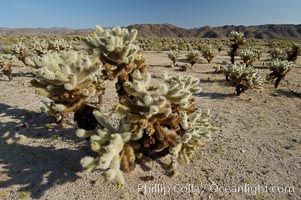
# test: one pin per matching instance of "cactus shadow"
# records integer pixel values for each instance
(33, 167)
(23, 74)
(32, 125)
(287, 93)
(215, 95)
(36, 169)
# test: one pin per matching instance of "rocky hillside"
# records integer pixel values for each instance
(260, 32)
(167, 30)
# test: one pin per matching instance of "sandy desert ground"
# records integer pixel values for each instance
(258, 145)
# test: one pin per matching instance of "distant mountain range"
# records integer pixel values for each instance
(269, 31)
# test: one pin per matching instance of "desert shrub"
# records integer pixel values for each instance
(243, 77)
(279, 69)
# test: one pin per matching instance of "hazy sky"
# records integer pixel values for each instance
(183, 13)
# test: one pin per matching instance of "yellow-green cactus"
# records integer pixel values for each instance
(6, 62)
(279, 70)
(173, 56)
(20, 50)
(208, 52)
(196, 130)
(67, 79)
(248, 56)
(243, 77)
(109, 143)
(236, 39)
(155, 120)
(193, 57)
(115, 45)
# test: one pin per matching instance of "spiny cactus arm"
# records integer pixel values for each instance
(115, 45)
(180, 88)
(66, 69)
(197, 129)
(101, 119)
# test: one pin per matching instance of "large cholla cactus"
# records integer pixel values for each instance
(6, 62)
(248, 56)
(208, 52)
(236, 39)
(115, 45)
(243, 77)
(193, 57)
(67, 80)
(173, 56)
(279, 70)
(156, 121)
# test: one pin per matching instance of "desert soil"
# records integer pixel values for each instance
(258, 144)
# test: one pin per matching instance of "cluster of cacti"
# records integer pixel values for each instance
(236, 39)
(173, 56)
(6, 62)
(193, 57)
(155, 120)
(208, 52)
(248, 56)
(243, 77)
(279, 69)
(41, 46)
(67, 80)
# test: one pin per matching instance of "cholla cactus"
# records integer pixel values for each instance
(279, 70)
(278, 53)
(6, 62)
(155, 121)
(208, 52)
(236, 39)
(243, 77)
(293, 52)
(20, 50)
(193, 57)
(67, 80)
(258, 52)
(173, 56)
(115, 45)
(248, 56)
